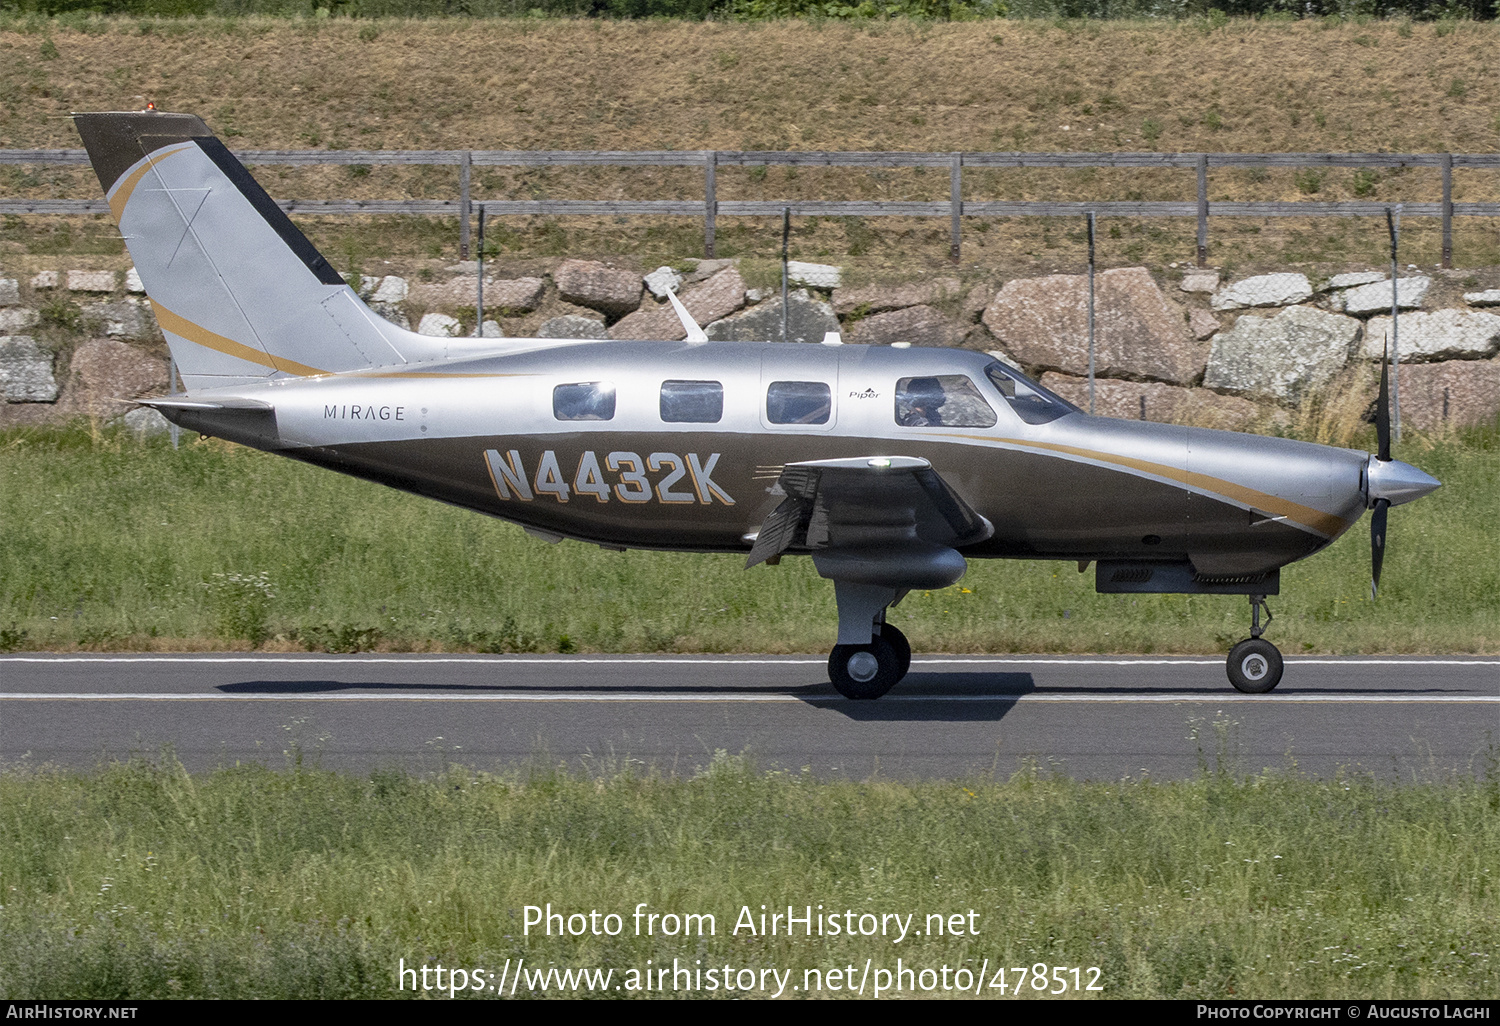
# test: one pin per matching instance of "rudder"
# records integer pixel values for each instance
(239, 291)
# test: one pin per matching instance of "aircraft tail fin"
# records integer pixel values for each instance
(239, 291)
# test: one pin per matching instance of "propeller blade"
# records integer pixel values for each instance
(1383, 409)
(1377, 543)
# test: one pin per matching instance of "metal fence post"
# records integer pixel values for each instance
(1202, 210)
(1091, 314)
(956, 198)
(479, 281)
(1393, 225)
(710, 201)
(786, 235)
(463, 206)
(1447, 210)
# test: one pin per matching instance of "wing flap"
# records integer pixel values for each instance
(890, 502)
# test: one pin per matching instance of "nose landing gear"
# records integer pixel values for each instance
(1255, 665)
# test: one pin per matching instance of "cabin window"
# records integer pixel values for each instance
(692, 402)
(944, 400)
(799, 402)
(586, 400)
(1032, 403)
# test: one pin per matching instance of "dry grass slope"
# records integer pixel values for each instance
(1244, 86)
(637, 85)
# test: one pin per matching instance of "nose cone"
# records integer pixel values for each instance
(1396, 482)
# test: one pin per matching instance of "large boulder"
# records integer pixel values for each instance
(1139, 333)
(917, 325)
(1354, 279)
(874, 299)
(1152, 400)
(1284, 357)
(1263, 290)
(599, 287)
(25, 371)
(1441, 335)
(710, 301)
(1458, 393)
(978, 298)
(717, 297)
(104, 372)
(808, 320)
(1376, 297)
(511, 296)
(10, 291)
(129, 318)
(572, 326)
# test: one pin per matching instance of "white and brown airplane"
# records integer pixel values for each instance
(890, 467)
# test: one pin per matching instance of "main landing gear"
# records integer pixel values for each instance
(1255, 665)
(869, 671)
(871, 656)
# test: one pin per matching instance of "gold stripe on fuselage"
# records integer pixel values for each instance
(1327, 524)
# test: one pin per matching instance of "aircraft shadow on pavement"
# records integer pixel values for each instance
(930, 697)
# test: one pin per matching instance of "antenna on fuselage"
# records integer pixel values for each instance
(694, 332)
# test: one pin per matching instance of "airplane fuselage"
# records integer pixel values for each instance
(484, 433)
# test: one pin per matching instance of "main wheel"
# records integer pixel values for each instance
(901, 645)
(1254, 666)
(864, 671)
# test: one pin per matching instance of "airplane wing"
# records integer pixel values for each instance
(884, 503)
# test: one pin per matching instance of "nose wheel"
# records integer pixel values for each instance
(1254, 665)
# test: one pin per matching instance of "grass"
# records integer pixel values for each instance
(116, 545)
(139, 880)
(1243, 85)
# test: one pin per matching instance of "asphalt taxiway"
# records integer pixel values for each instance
(1098, 717)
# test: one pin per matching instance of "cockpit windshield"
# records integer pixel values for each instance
(1032, 403)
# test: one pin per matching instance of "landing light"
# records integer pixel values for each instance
(881, 461)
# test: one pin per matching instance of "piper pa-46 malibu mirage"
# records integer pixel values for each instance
(889, 466)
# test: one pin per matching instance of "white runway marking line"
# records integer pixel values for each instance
(743, 697)
(745, 661)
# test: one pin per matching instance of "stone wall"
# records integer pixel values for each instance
(1182, 345)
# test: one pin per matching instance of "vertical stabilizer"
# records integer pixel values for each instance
(239, 291)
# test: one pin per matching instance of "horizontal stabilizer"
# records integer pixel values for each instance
(184, 402)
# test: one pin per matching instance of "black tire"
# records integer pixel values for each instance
(901, 645)
(1254, 666)
(876, 663)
